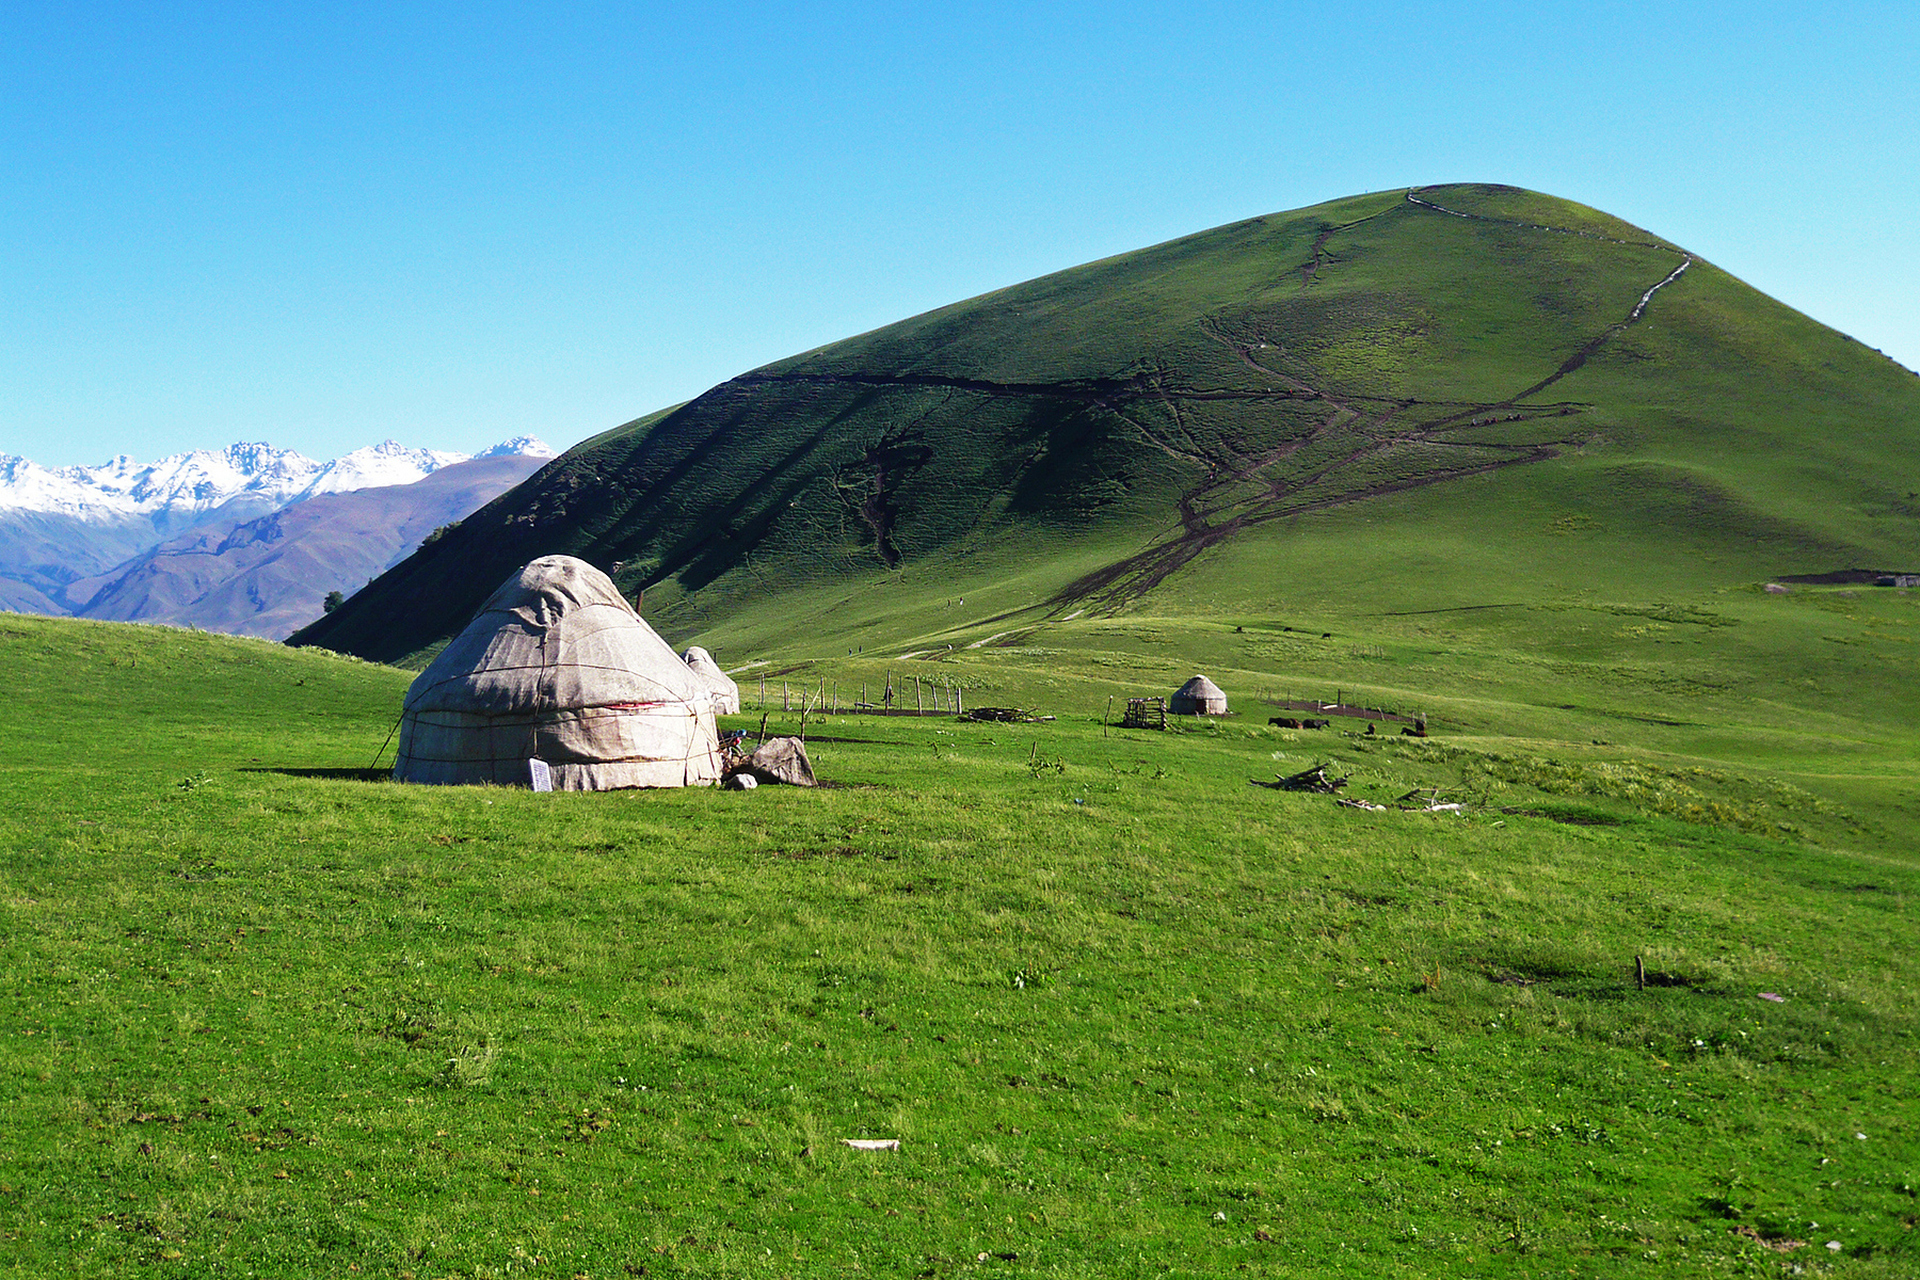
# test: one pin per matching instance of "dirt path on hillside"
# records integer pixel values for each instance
(1372, 428)
(1310, 269)
(1415, 199)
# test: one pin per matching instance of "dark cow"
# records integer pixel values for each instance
(1285, 722)
(1315, 724)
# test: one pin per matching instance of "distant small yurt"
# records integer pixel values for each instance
(726, 694)
(558, 668)
(1198, 697)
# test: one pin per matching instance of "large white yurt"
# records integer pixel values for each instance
(726, 694)
(1198, 697)
(557, 668)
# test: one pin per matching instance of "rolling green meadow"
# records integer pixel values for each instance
(268, 1014)
(1642, 1005)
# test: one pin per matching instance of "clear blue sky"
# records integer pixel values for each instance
(321, 225)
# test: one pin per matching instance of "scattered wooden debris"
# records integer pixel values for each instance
(1002, 715)
(1314, 780)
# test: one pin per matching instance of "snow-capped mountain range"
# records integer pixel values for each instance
(67, 533)
(203, 480)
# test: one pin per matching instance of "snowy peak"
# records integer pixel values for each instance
(202, 480)
(388, 462)
(184, 484)
(519, 447)
(189, 485)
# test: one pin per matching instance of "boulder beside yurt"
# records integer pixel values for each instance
(1198, 697)
(726, 694)
(557, 667)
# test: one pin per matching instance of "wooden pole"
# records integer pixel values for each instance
(786, 699)
(919, 708)
(763, 693)
(1106, 716)
(1640, 973)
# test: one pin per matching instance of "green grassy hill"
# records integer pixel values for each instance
(263, 1013)
(1500, 386)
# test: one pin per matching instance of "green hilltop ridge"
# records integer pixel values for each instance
(1479, 368)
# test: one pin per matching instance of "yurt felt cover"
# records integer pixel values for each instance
(726, 694)
(557, 666)
(1198, 697)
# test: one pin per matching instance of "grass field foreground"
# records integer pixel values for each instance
(1127, 1014)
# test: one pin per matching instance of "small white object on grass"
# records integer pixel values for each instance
(1833, 1246)
(873, 1144)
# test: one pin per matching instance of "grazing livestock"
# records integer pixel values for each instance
(1285, 722)
(1315, 724)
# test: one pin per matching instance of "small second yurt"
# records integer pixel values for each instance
(1198, 697)
(726, 694)
(558, 679)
